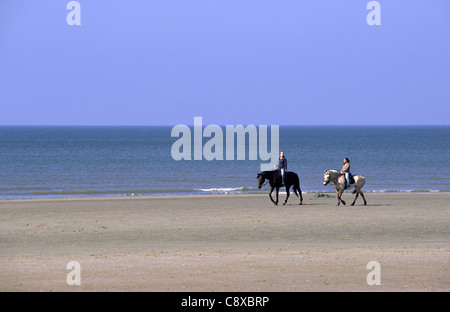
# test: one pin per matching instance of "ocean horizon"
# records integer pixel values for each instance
(92, 161)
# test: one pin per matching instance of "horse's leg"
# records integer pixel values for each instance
(356, 196)
(300, 194)
(277, 190)
(365, 201)
(270, 195)
(287, 194)
(340, 197)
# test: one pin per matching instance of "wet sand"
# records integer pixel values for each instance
(226, 243)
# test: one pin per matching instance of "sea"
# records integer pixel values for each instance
(92, 161)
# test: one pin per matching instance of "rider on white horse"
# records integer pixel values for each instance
(346, 171)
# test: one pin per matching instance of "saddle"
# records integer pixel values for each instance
(351, 178)
(277, 177)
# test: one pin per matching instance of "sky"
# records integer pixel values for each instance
(272, 62)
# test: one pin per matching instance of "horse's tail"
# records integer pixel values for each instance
(297, 185)
(298, 190)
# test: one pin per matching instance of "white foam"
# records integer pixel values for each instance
(222, 189)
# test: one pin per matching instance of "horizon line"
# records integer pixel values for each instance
(172, 125)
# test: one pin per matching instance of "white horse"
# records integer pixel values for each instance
(338, 180)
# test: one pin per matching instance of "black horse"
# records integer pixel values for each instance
(274, 178)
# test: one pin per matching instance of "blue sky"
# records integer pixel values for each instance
(288, 62)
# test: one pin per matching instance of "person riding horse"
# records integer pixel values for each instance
(282, 168)
(346, 171)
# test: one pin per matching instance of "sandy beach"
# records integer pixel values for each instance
(226, 243)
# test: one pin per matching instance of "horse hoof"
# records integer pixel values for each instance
(352, 204)
(343, 203)
(300, 203)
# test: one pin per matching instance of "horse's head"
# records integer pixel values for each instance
(261, 179)
(326, 177)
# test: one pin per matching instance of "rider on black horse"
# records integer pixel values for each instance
(282, 168)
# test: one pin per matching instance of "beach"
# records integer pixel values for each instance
(216, 243)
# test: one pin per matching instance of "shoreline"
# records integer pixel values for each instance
(226, 242)
(282, 193)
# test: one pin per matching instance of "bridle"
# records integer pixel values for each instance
(264, 183)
